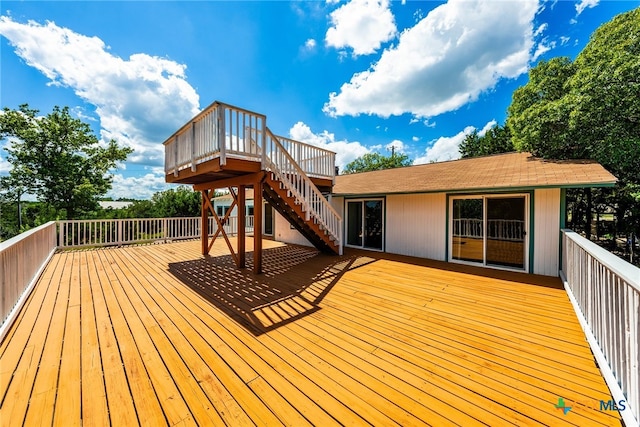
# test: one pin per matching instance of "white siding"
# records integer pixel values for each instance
(546, 229)
(416, 225)
(283, 232)
(338, 204)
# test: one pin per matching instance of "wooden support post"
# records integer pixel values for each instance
(242, 211)
(257, 225)
(204, 227)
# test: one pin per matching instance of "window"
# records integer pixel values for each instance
(365, 223)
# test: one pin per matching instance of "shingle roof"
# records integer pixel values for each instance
(227, 196)
(503, 171)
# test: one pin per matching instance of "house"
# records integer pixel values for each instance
(503, 211)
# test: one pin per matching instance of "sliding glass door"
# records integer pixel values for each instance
(365, 223)
(489, 230)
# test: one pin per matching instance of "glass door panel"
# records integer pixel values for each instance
(467, 242)
(268, 220)
(506, 231)
(354, 223)
(373, 224)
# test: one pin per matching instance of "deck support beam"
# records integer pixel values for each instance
(240, 200)
(257, 223)
(204, 226)
(242, 211)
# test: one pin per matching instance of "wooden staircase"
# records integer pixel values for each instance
(293, 194)
(276, 193)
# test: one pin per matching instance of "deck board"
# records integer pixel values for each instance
(159, 335)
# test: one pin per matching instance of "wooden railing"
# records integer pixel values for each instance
(279, 161)
(605, 292)
(22, 260)
(116, 232)
(243, 133)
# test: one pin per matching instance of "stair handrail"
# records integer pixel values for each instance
(313, 202)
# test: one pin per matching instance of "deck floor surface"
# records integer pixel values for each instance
(160, 335)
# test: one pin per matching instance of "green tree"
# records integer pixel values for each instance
(179, 202)
(59, 159)
(495, 141)
(376, 161)
(538, 116)
(589, 108)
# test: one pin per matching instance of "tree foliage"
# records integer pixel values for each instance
(58, 159)
(376, 161)
(179, 202)
(495, 141)
(589, 108)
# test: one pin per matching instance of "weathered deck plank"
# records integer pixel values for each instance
(157, 334)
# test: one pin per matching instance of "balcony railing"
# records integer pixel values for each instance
(222, 130)
(605, 292)
(22, 259)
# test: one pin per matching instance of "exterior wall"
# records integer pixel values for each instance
(338, 204)
(546, 231)
(416, 225)
(283, 232)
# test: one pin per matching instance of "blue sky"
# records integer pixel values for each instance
(353, 77)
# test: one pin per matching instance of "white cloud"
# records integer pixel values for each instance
(459, 50)
(586, 4)
(361, 25)
(139, 187)
(346, 151)
(310, 44)
(140, 100)
(564, 40)
(447, 147)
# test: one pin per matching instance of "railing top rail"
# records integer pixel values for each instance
(280, 138)
(623, 269)
(12, 241)
(205, 111)
(124, 219)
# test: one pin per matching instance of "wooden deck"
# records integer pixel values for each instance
(159, 335)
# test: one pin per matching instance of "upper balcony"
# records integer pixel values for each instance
(224, 141)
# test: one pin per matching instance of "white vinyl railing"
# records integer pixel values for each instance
(243, 134)
(314, 204)
(314, 161)
(116, 232)
(605, 291)
(200, 140)
(501, 229)
(22, 260)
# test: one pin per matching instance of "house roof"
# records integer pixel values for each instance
(229, 198)
(497, 172)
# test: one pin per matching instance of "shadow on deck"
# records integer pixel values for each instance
(294, 282)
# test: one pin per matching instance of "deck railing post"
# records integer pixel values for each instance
(175, 156)
(193, 146)
(119, 232)
(264, 144)
(222, 134)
